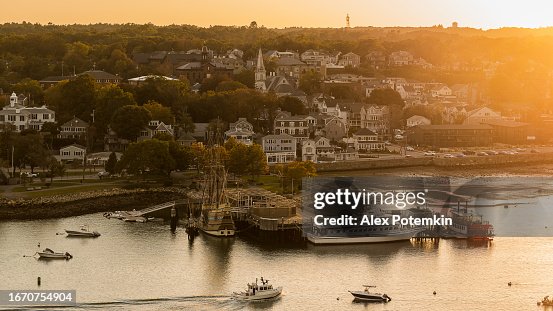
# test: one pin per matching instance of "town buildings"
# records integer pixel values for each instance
(21, 117)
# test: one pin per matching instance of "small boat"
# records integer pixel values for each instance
(84, 232)
(366, 295)
(546, 302)
(50, 254)
(259, 292)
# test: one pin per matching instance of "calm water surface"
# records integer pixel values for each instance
(144, 267)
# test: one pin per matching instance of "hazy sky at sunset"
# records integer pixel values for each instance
(307, 13)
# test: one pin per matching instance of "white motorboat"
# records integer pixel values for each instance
(257, 291)
(50, 254)
(83, 232)
(366, 295)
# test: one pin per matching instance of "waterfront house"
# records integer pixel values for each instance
(309, 151)
(73, 152)
(279, 148)
(298, 126)
(367, 140)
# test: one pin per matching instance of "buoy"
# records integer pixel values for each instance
(38, 281)
(509, 283)
(337, 298)
(38, 244)
(434, 293)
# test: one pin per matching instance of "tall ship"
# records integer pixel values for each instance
(216, 218)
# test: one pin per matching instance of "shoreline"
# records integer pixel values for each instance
(86, 203)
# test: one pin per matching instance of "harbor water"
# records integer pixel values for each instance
(142, 266)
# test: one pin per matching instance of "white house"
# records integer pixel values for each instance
(22, 117)
(72, 152)
(481, 115)
(280, 148)
(309, 151)
(74, 128)
(417, 120)
(441, 90)
(365, 139)
(241, 130)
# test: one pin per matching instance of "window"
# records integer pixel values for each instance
(11, 118)
(21, 118)
(46, 116)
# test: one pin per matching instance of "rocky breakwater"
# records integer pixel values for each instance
(87, 202)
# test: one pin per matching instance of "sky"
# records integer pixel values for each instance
(484, 14)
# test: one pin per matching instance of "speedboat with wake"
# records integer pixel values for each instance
(257, 291)
(366, 295)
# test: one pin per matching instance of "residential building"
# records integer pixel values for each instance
(290, 67)
(298, 126)
(241, 130)
(400, 58)
(74, 128)
(319, 58)
(481, 115)
(73, 152)
(417, 120)
(155, 127)
(22, 118)
(367, 140)
(349, 154)
(437, 136)
(335, 128)
(102, 77)
(441, 90)
(376, 118)
(376, 59)
(350, 59)
(279, 148)
(309, 151)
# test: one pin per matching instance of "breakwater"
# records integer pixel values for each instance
(87, 202)
(472, 161)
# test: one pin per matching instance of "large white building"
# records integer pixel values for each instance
(280, 148)
(22, 117)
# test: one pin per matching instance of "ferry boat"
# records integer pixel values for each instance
(328, 235)
(259, 292)
(83, 232)
(469, 226)
(366, 295)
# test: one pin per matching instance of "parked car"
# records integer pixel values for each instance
(481, 153)
(468, 152)
(447, 155)
(460, 155)
(29, 175)
(430, 153)
(409, 148)
(491, 152)
(534, 151)
(103, 174)
(408, 156)
(520, 150)
(398, 137)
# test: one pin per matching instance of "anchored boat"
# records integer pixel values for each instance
(366, 295)
(50, 254)
(83, 232)
(257, 291)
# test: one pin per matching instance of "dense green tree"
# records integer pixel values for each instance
(129, 120)
(292, 105)
(109, 98)
(111, 164)
(55, 168)
(183, 155)
(310, 82)
(246, 77)
(159, 112)
(73, 98)
(224, 86)
(148, 156)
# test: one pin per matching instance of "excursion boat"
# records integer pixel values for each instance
(469, 226)
(50, 254)
(366, 295)
(83, 232)
(546, 302)
(328, 235)
(259, 292)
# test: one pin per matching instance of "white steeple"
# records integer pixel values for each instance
(13, 100)
(260, 73)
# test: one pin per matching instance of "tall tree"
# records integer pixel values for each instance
(129, 120)
(109, 98)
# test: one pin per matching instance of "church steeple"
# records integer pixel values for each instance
(260, 73)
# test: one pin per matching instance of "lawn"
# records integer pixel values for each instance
(67, 190)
